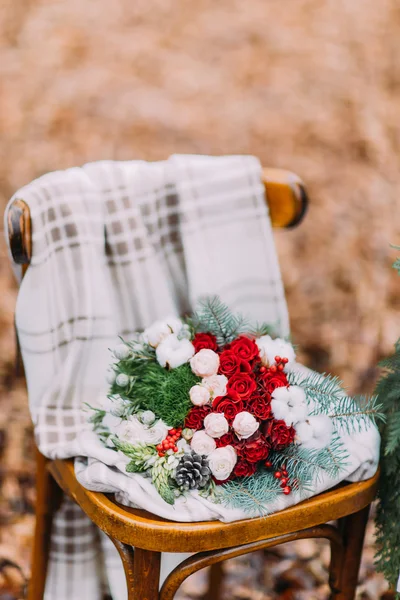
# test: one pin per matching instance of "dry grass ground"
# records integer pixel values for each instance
(307, 85)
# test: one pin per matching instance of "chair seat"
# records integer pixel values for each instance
(139, 528)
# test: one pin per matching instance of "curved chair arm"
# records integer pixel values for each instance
(285, 194)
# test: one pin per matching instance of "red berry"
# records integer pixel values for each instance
(278, 359)
(285, 473)
(175, 448)
(161, 454)
(262, 369)
(268, 464)
(159, 448)
(284, 481)
(287, 490)
(280, 367)
(273, 369)
(172, 431)
(285, 360)
(277, 474)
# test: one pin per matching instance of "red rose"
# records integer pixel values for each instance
(204, 340)
(243, 468)
(245, 348)
(268, 381)
(229, 405)
(253, 449)
(229, 363)
(260, 406)
(195, 417)
(279, 434)
(229, 439)
(241, 384)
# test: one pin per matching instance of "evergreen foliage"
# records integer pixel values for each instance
(251, 494)
(388, 509)
(326, 395)
(213, 316)
(165, 392)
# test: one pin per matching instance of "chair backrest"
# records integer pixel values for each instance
(285, 193)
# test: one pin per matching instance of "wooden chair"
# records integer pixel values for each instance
(211, 542)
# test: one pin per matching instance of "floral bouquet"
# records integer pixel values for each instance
(210, 405)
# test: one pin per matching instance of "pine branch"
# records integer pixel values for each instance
(355, 414)
(252, 494)
(215, 317)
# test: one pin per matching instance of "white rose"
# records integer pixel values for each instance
(173, 352)
(216, 384)
(315, 432)
(133, 431)
(159, 330)
(289, 404)
(216, 425)
(245, 424)
(199, 395)
(222, 462)
(122, 351)
(205, 363)
(202, 443)
(122, 380)
(269, 348)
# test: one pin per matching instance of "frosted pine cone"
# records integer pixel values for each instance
(192, 472)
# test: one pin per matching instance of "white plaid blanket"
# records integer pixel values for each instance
(117, 245)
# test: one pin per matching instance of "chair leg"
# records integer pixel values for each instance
(353, 532)
(215, 579)
(142, 571)
(48, 499)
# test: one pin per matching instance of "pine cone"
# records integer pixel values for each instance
(192, 472)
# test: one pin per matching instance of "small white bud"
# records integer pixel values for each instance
(122, 380)
(187, 434)
(147, 417)
(122, 351)
(110, 376)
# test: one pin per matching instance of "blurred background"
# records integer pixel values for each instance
(308, 85)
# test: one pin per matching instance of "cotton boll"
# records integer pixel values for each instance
(269, 348)
(315, 432)
(289, 404)
(173, 352)
(159, 330)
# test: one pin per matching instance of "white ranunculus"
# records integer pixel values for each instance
(315, 432)
(122, 380)
(216, 425)
(173, 352)
(122, 352)
(205, 363)
(133, 431)
(222, 462)
(183, 445)
(199, 395)
(245, 424)
(159, 330)
(216, 384)
(269, 348)
(289, 404)
(202, 443)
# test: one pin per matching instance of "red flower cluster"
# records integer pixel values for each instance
(249, 388)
